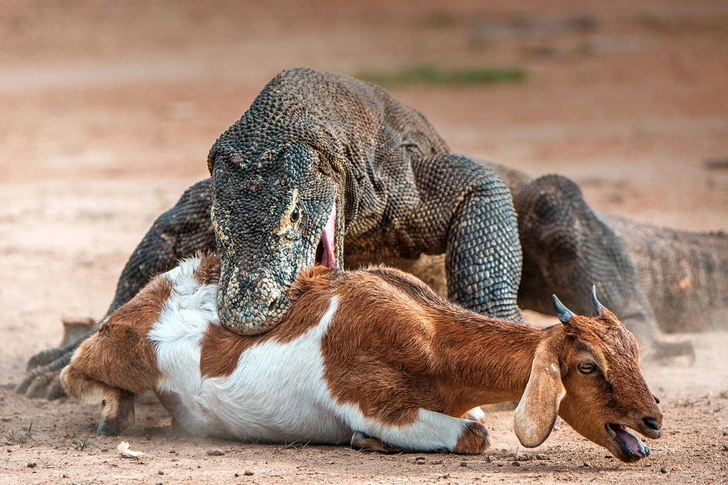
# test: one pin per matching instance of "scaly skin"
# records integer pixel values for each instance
(322, 142)
(567, 248)
(315, 146)
(683, 274)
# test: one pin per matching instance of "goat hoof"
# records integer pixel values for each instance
(474, 439)
(362, 442)
(123, 416)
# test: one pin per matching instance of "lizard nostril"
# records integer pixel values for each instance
(657, 399)
(651, 423)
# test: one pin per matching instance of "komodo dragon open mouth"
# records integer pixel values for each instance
(325, 253)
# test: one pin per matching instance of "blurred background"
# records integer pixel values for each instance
(109, 110)
(630, 98)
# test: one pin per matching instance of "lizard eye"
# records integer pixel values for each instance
(295, 215)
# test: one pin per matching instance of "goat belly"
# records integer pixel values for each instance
(275, 394)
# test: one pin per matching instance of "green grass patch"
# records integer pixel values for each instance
(428, 74)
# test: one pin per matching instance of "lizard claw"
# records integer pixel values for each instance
(42, 379)
(45, 385)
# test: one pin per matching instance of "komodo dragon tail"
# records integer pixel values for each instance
(683, 274)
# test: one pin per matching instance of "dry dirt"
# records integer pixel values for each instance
(108, 110)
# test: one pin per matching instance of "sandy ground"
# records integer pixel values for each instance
(108, 111)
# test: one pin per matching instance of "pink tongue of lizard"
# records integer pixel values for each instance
(633, 443)
(328, 237)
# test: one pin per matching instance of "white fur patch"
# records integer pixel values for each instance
(276, 393)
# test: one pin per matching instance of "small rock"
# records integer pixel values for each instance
(237, 474)
(542, 457)
(32, 464)
(515, 463)
(215, 452)
(463, 463)
(248, 473)
(420, 460)
(663, 470)
(725, 447)
(436, 462)
(160, 472)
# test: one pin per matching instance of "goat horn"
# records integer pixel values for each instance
(598, 306)
(562, 312)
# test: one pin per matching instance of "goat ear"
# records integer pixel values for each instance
(536, 412)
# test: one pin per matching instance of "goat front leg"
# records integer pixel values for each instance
(180, 232)
(429, 432)
(116, 404)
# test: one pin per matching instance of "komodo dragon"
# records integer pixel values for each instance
(324, 168)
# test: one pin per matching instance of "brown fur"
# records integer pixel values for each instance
(118, 361)
(395, 347)
(119, 353)
(208, 272)
(221, 348)
(402, 336)
(474, 439)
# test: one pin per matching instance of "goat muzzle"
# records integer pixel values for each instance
(632, 447)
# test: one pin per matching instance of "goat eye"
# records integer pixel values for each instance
(586, 367)
(295, 215)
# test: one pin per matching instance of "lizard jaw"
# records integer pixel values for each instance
(325, 252)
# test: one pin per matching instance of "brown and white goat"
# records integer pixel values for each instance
(371, 357)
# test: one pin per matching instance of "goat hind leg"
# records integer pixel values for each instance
(180, 232)
(116, 404)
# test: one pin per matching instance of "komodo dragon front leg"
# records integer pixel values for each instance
(453, 206)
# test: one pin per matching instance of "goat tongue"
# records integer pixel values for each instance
(629, 442)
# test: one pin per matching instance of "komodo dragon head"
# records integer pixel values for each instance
(276, 208)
